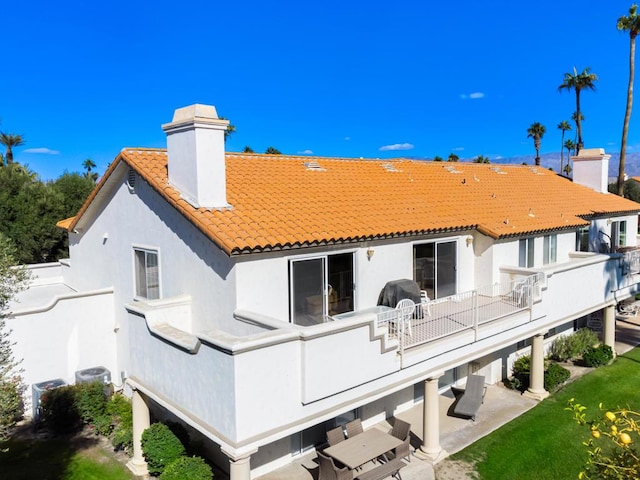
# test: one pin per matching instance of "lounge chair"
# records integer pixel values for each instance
(472, 397)
(402, 431)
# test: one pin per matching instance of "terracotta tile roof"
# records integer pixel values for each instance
(280, 202)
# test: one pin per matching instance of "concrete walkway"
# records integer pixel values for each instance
(501, 405)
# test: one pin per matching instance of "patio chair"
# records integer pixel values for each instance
(405, 309)
(335, 436)
(354, 428)
(468, 404)
(425, 303)
(329, 470)
(402, 431)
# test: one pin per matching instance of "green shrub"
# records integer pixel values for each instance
(59, 411)
(91, 402)
(522, 365)
(187, 468)
(11, 402)
(160, 447)
(598, 356)
(180, 431)
(554, 376)
(573, 346)
(121, 415)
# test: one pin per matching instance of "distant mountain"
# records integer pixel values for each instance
(552, 160)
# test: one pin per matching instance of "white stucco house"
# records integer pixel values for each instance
(239, 292)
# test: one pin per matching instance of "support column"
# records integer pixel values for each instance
(609, 328)
(430, 450)
(536, 381)
(239, 467)
(141, 422)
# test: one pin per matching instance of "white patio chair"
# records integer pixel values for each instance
(425, 303)
(405, 309)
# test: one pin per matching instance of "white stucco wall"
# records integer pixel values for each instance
(75, 333)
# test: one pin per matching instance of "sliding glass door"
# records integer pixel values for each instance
(321, 286)
(434, 267)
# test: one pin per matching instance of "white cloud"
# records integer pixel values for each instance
(472, 96)
(42, 150)
(347, 138)
(305, 152)
(396, 146)
(458, 149)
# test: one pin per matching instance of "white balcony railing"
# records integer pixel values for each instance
(434, 319)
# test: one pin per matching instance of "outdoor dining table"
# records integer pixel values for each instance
(363, 448)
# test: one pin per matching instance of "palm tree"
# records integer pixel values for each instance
(536, 131)
(272, 151)
(629, 24)
(564, 126)
(438, 158)
(10, 140)
(453, 158)
(578, 82)
(570, 146)
(88, 165)
(481, 159)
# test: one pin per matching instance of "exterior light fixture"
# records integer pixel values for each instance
(370, 252)
(469, 240)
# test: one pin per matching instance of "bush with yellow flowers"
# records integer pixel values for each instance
(612, 448)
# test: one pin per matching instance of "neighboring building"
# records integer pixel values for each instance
(239, 292)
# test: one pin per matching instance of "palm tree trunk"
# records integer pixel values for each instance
(627, 117)
(578, 122)
(562, 153)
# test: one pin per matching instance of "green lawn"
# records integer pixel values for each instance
(545, 442)
(58, 459)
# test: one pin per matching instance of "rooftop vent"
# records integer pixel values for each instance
(315, 166)
(390, 167)
(498, 171)
(451, 169)
(131, 180)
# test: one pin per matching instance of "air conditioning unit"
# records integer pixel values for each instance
(94, 374)
(38, 390)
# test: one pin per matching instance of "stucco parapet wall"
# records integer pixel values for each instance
(578, 260)
(158, 315)
(16, 312)
(281, 332)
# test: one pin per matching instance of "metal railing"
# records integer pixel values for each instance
(446, 316)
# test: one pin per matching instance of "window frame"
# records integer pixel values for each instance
(550, 249)
(141, 292)
(528, 259)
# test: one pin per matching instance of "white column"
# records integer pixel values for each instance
(141, 422)
(430, 450)
(536, 381)
(609, 328)
(239, 466)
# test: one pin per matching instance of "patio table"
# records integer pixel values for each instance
(363, 448)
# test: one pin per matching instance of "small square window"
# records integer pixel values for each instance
(147, 276)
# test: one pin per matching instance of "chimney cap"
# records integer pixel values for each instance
(197, 110)
(204, 116)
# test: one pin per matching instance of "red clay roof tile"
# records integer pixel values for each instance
(277, 201)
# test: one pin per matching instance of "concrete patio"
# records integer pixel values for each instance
(501, 405)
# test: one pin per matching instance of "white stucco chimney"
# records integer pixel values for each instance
(196, 160)
(591, 169)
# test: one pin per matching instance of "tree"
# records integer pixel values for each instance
(578, 82)
(10, 140)
(273, 151)
(610, 450)
(629, 24)
(88, 165)
(231, 129)
(536, 131)
(438, 158)
(453, 158)
(570, 146)
(247, 149)
(564, 126)
(481, 159)
(12, 281)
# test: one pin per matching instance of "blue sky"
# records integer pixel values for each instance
(355, 79)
